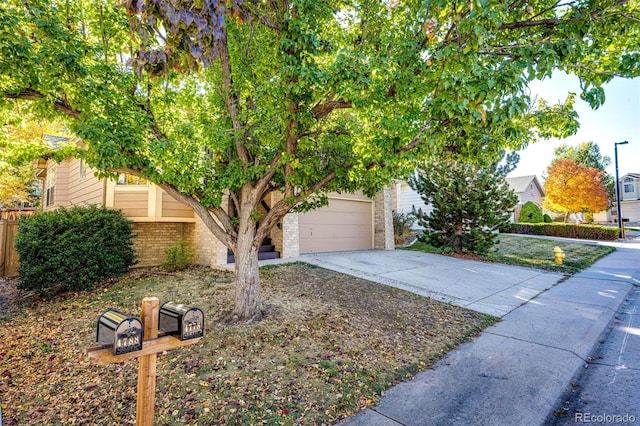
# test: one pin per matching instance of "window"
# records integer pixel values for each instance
(124, 179)
(629, 186)
(49, 187)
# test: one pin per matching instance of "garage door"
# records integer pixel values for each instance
(342, 225)
(631, 210)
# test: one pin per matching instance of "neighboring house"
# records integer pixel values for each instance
(406, 199)
(349, 222)
(527, 188)
(629, 187)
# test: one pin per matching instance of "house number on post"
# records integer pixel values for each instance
(121, 338)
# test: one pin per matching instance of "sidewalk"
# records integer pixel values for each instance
(517, 371)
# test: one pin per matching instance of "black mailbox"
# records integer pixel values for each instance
(120, 332)
(181, 321)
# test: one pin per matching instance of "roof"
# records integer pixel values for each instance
(54, 141)
(631, 175)
(519, 184)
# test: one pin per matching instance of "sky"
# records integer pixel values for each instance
(617, 120)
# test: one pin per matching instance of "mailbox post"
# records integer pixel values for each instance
(148, 351)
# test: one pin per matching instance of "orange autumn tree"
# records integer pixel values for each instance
(574, 188)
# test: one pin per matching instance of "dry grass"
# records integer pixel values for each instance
(329, 346)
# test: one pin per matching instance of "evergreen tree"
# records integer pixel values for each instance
(470, 200)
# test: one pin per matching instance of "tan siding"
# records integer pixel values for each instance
(61, 192)
(132, 203)
(173, 208)
(342, 225)
(87, 190)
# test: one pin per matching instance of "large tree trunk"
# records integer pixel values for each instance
(248, 293)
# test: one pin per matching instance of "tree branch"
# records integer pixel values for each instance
(59, 104)
(323, 109)
(230, 97)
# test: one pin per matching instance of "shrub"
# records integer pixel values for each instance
(567, 230)
(178, 256)
(546, 218)
(72, 248)
(588, 217)
(530, 213)
(402, 223)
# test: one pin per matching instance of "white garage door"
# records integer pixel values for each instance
(631, 210)
(342, 225)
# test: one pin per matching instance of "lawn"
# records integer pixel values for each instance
(330, 345)
(537, 253)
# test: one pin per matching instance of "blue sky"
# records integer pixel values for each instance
(615, 121)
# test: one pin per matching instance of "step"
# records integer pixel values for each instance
(263, 255)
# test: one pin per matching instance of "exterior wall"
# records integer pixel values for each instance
(408, 198)
(603, 216)
(532, 193)
(83, 189)
(633, 195)
(383, 220)
(152, 239)
(61, 192)
(290, 244)
(208, 250)
(174, 209)
(285, 237)
(133, 202)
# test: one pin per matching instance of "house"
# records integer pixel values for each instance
(406, 199)
(527, 188)
(349, 222)
(629, 190)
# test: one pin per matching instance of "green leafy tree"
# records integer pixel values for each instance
(530, 213)
(588, 154)
(471, 202)
(21, 140)
(226, 102)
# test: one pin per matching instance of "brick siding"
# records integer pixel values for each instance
(152, 239)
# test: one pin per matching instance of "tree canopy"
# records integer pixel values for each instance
(223, 103)
(588, 154)
(573, 188)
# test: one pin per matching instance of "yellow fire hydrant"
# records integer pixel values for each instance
(558, 255)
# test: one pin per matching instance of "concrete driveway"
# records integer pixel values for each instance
(490, 288)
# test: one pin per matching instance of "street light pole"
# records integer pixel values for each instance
(618, 188)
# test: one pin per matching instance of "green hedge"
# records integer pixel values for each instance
(73, 248)
(567, 230)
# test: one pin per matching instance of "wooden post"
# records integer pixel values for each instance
(147, 364)
(147, 356)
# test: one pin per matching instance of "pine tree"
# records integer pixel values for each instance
(471, 201)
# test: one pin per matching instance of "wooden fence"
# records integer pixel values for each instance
(8, 231)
